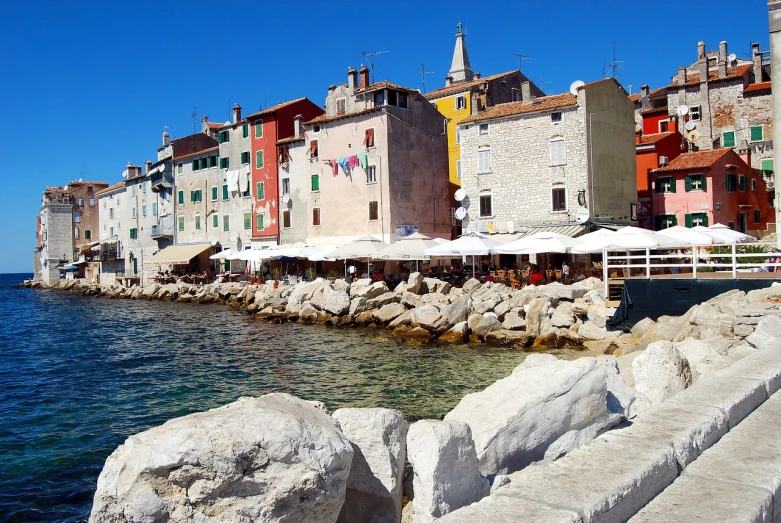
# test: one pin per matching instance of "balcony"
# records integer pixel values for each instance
(111, 251)
(160, 232)
(162, 181)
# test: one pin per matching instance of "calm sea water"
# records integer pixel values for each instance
(79, 375)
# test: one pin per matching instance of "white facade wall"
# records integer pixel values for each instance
(297, 172)
(57, 238)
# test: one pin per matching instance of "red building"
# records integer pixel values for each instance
(712, 186)
(653, 151)
(267, 127)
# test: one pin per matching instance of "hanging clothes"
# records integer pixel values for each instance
(232, 177)
(344, 165)
(353, 162)
(362, 160)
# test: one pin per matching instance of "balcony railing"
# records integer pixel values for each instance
(111, 251)
(162, 231)
(162, 181)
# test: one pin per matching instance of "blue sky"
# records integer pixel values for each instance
(88, 86)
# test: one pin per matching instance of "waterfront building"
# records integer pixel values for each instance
(774, 19)
(267, 127)
(708, 187)
(556, 161)
(377, 164)
(296, 188)
(108, 261)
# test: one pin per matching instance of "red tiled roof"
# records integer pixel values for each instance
(732, 73)
(654, 110)
(215, 125)
(292, 139)
(544, 103)
(111, 188)
(325, 119)
(382, 85)
(653, 138)
(274, 108)
(695, 160)
(461, 87)
(210, 149)
(758, 88)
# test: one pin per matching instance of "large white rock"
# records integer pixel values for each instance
(564, 292)
(388, 312)
(428, 317)
(703, 357)
(545, 408)
(589, 331)
(357, 305)
(458, 311)
(272, 458)
(564, 315)
(537, 319)
(375, 485)
(302, 292)
(489, 323)
(660, 372)
(443, 458)
(414, 282)
(337, 303)
(767, 334)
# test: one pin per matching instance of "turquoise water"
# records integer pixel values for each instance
(79, 375)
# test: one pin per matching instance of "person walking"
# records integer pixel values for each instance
(565, 270)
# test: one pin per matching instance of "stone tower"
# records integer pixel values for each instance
(460, 69)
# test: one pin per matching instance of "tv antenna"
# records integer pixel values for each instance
(423, 74)
(613, 65)
(194, 116)
(369, 55)
(521, 58)
(542, 84)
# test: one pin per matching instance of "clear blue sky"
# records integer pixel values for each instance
(88, 86)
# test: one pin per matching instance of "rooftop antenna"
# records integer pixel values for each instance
(613, 65)
(423, 73)
(369, 55)
(194, 116)
(521, 58)
(542, 84)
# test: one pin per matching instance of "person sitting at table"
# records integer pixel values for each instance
(489, 277)
(536, 277)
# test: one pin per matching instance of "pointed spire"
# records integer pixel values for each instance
(460, 69)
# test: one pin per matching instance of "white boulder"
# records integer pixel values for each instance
(660, 372)
(767, 334)
(337, 303)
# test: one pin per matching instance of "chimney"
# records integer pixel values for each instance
(526, 92)
(700, 49)
(364, 75)
(298, 122)
(448, 80)
(148, 164)
(702, 68)
(475, 76)
(723, 59)
(475, 104)
(352, 78)
(757, 56)
(236, 113)
(645, 103)
(204, 122)
(644, 91)
(682, 76)
(165, 136)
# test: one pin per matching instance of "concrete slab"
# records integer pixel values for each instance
(737, 397)
(689, 429)
(763, 365)
(604, 481)
(510, 510)
(693, 498)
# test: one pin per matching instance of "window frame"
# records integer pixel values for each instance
(224, 162)
(247, 216)
(260, 191)
(215, 193)
(245, 155)
(724, 139)
(285, 186)
(226, 194)
(315, 181)
(485, 151)
(180, 219)
(666, 124)
(260, 224)
(259, 127)
(755, 220)
(376, 208)
(343, 101)
(367, 135)
(460, 102)
(215, 221)
(226, 222)
(316, 217)
(458, 169)
(761, 132)
(556, 117)
(287, 219)
(197, 220)
(483, 129)
(371, 174)
(260, 159)
(480, 207)
(553, 190)
(557, 140)
(695, 109)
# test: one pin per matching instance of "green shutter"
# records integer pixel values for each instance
(258, 159)
(674, 220)
(705, 219)
(260, 191)
(259, 129)
(688, 219)
(260, 221)
(214, 193)
(315, 182)
(195, 165)
(756, 133)
(729, 139)
(247, 220)
(245, 130)
(192, 196)
(225, 192)
(181, 197)
(767, 166)
(688, 183)
(181, 223)
(703, 182)
(226, 223)
(198, 221)
(672, 184)
(215, 221)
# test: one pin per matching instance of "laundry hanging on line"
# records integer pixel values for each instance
(344, 165)
(362, 161)
(334, 166)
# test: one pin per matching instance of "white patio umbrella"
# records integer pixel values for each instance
(472, 244)
(221, 255)
(623, 240)
(363, 248)
(409, 248)
(688, 237)
(543, 241)
(722, 229)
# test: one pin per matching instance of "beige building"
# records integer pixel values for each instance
(109, 254)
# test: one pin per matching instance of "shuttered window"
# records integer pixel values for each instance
(245, 157)
(181, 223)
(665, 221)
(316, 216)
(215, 220)
(258, 159)
(743, 183)
(225, 191)
(247, 220)
(486, 205)
(215, 193)
(374, 211)
(259, 129)
(315, 182)
(757, 133)
(226, 223)
(728, 139)
(245, 131)
(767, 166)
(695, 182)
(558, 152)
(260, 190)
(483, 161)
(181, 197)
(368, 138)
(696, 218)
(286, 219)
(558, 199)
(224, 163)
(197, 221)
(260, 222)
(732, 183)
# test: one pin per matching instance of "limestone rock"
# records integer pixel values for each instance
(428, 317)
(388, 312)
(595, 296)
(473, 320)
(488, 323)
(703, 358)
(341, 285)
(414, 282)
(319, 297)
(470, 285)
(590, 331)
(439, 450)
(411, 300)
(502, 308)
(661, 332)
(513, 322)
(382, 300)
(481, 307)
(597, 314)
(537, 320)
(563, 292)
(257, 459)
(660, 372)
(357, 305)
(401, 319)
(459, 333)
(767, 334)
(458, 310)
(412, 334)
(370, 291)
(556, 338)
(544, 409)
(509, 338)
(431, 285)
(759, 295)
(641, 327)
(337, 303)
(364, 318)
(401, 288)
(150, 290)
(563, 316)
(374, 487)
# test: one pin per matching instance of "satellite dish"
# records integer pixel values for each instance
(694, 135)
(285, 198)
(577, 84)
(460, 194)
(683, 110)
(732, 58)
(460, 213)
(582, 215)
(690, 125)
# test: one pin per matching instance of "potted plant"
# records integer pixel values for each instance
(276, 275)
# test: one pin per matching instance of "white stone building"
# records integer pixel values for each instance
(110, 251)
(56, 234)
(295, 188)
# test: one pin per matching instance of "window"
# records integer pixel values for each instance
(743, 183)
(486, 205)
(555, 117)
(483, 161)
(111, 213)
(179, 168)
(313, 149)
(245, 157)
(111, 232)
(559, 199)
(767, 166)
(753, 185)
(458, 134)
(197, 221)
(215, 193)
(143, 210)
(215, 220)
(181, 223)
(341, 105)
(224, 136)
(88, 233)
(483, 129)
(246, 194)
(757, 219)
(133, 213)
(461, 102)
(558, 152)
(258, 159)
(315, 182)
(665, 221)
(259, 223)
(664, 126)
(213, 161)
(316, 216)
(132, 193)
(92, 202)
(133, 234)
(196, 196)
(458, 169)
(379, 98)
(285, 186)
(757, 133)
(245, 131)
(81, 200)
(665, 185)
(260, 190)
(226, 223)
(694, 113)
(286, 219)
(196, 165)
(77, 217)
(696, 218)
(368, 138)
(371, 174)
(315, 129)
(143, 187)
(374, 211)
(76, 232)
(284, 155)
(695, 182)
(402, 100)
(732, 183)
(225, 193)
(224, 163)
(154, 208)
(259, 129)
(247, 220)
(728, 139)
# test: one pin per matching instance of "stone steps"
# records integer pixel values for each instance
(612, 478)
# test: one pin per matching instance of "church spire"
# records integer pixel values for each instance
(460, 69)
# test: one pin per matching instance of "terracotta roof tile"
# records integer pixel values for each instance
(215, 125)
(111, 188)
(274, 108)
(382, 85)
(325, 119)
(654, 110)
(210, 149)
(695, 160)
(653, 138)
(713, 76)
(758, 88)
(292, 139)
(464, 86)
(544, 103)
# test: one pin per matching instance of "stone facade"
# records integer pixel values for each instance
(774, 18)
(296, 171)
(56, 232)
(111, 255)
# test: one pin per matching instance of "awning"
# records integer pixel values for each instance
(566, 230)
(178, 254)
